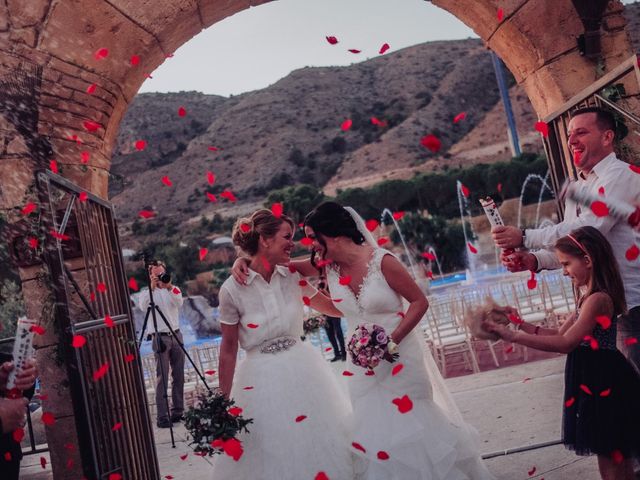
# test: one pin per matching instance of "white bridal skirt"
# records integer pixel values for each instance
(301, 419)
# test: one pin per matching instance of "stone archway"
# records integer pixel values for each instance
(535, 38)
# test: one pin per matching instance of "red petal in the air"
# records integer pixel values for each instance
(53, 166)
(182, 111)
(101, 372)
(354, 50)
(543, 128)
(306, 300)
(300, 418)
(146, 213)
(585, 389)
(252, 325)
(133, 285)
(465, 190)
(570, 402)
(78, 341)
(357, 446)
(276, 209)
(382, 241)
(500, 14)
(202, 253)
(92, 88)
(229, 195)
(48, 418)
(140, 145)
(397, 215)
(371, 224)
(346, 280)
(472, 249)
(384, 48)
(347, 373)
(306, 241)
(603, 321)
(396, 369)
(332, 40)
(346, 125)
(403, 403)
(632, 253)
(84, 157)
(212, 198)
(101, 54)
(90, 126)
(431, 142)
(459, 117)
(167, 181)
(108, 321)
(211, 178)
(382, 455)
(532, 283)
(599, 209)
(135, 60)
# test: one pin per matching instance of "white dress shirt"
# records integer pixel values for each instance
(169, 302)
(618, 182)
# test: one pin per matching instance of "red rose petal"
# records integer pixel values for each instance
(306, 241)
(101, 287)
(630, 341)
(43, 462)
(101, 372)
(90, 126)
(357, 446)
(184, 457)
(85, 157)
(53, 166)
(213, 149)
(146, 214)
(632, 253)
(605, 393)
(384, 48)
(108, 321)
(345, 280)
(397, 215)
(91, 88)
(303, 283)
(28, 208)
(252, 325)
(235, 411)
(140, 145)
(532, 283)
(354, 50)
(276, 209)
(7, 456)
(499, 188)
(321, 476)
(202, 253)
(115, 476)
(166, 181)
(83, 196)
(347, 373)
(403, 403)
(101, 54)
(135, 60)
(210, 372)
(396, 369)
(429, 256)
(372, 225)
(382, 455)
(182, 111)
(229, 196)
(459, 117)
(116, 427)
(18, 435)
(382, 241)
(369, 373)
(465, 190)
(585, 389)
(59, 236)
(500, 14)
(130, 357)
(212, 198)
(37, 329)
(601, 191)
(48, 418)
(211, 178)
(617, 457)
(603, 321)
(306, 300)
(543, 128)
(430, 274)
(569, 402)
(248, 388)
(599, 209)
(133, 285)
(346, 125)
(635, 168)
(431, 142)
(300, 418)
(332, 40)
(472, 249)
(532, 471)
(78, 341)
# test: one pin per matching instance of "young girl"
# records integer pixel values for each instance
(602, 390)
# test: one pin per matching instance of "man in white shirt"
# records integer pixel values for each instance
(591, 139)
(168, 352)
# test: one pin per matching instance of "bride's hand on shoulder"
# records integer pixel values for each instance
(240, 270)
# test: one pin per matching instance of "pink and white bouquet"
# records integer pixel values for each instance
(369, 345)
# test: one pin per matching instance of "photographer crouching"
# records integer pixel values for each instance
(166, 348)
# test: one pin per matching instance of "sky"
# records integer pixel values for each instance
(258, 46)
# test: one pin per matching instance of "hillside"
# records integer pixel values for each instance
(290, 132)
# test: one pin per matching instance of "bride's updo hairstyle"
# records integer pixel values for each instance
(330, 219)
(247, 231)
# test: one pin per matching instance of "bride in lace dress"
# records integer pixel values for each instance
(429, 441)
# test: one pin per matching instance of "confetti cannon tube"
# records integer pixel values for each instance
(22, 348)
(492, 213)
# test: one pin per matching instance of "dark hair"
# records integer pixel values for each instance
(605, 276)
(246, 232)
(604, 118)
(330, 219)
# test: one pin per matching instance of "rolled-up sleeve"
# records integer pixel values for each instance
(229, 313)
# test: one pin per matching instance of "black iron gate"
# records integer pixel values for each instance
(610, 91)
(92, 297)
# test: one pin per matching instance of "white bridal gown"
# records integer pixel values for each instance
(423, 444)
(300, 417)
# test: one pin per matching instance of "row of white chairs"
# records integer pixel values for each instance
(551, 299)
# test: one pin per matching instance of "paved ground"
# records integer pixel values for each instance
(516, 406)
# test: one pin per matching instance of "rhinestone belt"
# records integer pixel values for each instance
(276, 345)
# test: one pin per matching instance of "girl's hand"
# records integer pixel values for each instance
(240, 270)
(502, 331)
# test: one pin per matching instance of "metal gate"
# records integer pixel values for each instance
(106, 379)
(609, 92)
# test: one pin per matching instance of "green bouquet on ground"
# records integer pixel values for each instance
(214, 422)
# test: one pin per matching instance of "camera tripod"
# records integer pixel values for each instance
(152, 309)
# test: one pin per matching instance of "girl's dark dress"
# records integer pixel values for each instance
(602, 398)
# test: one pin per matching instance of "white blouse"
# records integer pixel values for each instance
(265, 310)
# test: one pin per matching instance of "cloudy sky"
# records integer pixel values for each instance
(256, 47)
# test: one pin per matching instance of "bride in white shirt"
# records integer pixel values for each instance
(300, 428)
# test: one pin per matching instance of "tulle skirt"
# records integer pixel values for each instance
(301, 419)
(602, 403)
(425, 442)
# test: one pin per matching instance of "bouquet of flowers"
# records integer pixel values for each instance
(214, 422)
(312, 324)
(477, 317)
(369, 345)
